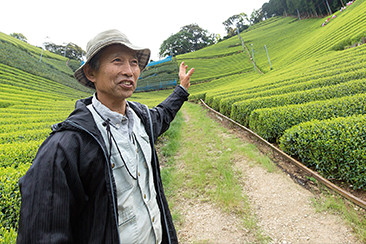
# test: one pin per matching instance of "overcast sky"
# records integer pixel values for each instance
(146, 23)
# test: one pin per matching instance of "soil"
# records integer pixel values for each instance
(283, 209)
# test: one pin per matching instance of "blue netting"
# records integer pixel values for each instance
(157, 86)
(167, 59)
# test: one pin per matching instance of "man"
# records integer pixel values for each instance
(96, 178)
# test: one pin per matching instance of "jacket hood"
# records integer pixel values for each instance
(79, 119)
(82, 119)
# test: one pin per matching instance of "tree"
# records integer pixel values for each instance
(190, 38)
(256, 16)
(19, 36)
(73, 51)
(307, 8)
(70, 50)
(234, 23)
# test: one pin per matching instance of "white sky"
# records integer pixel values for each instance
(146, 23)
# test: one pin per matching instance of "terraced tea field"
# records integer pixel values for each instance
(316, 77)
(312, 103)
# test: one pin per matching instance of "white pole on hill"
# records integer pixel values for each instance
(330, 11)
(40, 58)
(270, 65)
(253, 55)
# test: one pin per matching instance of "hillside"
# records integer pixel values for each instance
(34, 95)
(311, 103)
(318, 74)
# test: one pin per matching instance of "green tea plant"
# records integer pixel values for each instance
(336, 148)
(270, 123)
(242, 110)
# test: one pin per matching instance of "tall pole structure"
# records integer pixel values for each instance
(330, 11)
(270, 65)
(253, 55)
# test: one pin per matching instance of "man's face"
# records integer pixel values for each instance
(116, 78)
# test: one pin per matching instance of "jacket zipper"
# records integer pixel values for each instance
(156, 170)
(109, 172)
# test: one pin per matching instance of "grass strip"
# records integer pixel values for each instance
(200, 166)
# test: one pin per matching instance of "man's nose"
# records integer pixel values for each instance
(127, 69)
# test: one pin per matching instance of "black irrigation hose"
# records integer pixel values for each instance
(359, 202)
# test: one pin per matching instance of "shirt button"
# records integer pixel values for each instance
(113, 165)
(144, 196)
(118, 125)
(153, 219)
(139, 173)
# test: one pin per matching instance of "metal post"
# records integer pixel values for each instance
(65, 50)
(330, 11)
(342, 3)
(270, 65)
(241, 39)
(298, 14)
(40, 58)
(253, 55)
(43, 47)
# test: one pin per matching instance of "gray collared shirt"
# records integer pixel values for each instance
(139, 214)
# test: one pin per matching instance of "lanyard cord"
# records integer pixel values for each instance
(107, 123)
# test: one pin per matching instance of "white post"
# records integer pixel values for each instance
(40, 58)
(270, 65)
(253, 55)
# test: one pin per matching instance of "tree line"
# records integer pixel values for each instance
(192, 37)
(304, 8)
(69, 50)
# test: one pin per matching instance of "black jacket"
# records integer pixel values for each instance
(67, 194)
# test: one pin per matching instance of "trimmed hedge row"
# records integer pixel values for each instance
(241, 110)
(167, 67)
(24, 127)
(224, 104)
(209, 69)
(21, 59)
(18, 78)
(158, 76)
(8, 235)
(28, 135)
(270, 123)
(10, 195)
(18, 153)
(336, 148)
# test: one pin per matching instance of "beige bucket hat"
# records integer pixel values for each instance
(103, 40)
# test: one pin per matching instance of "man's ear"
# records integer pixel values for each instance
(89, 72)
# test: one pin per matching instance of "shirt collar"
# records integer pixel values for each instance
(106, 113)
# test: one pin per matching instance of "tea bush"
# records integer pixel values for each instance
(270, 123)
(336, 148)
(242, 110)
(10, 195)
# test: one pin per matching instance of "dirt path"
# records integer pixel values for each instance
(285, 211)
(283, 208)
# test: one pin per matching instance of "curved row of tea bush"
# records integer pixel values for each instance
(17, 153)
(310, 76)
(242, 110)
(224, 104)
(270, 123)
(10, 195)
(11, 55)
(33, 96)
(336, 147)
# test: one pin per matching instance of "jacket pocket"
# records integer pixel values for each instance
(127, 225)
